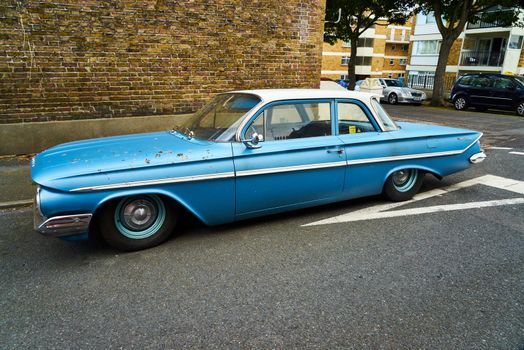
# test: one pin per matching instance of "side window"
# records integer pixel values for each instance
(295, 120)
(466, 81)
(352, 119)
(480, 82)
(504, 83)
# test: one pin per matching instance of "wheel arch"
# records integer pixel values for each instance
(419, 167)
(167, 195)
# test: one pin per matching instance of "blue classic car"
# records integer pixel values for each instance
(244, 154)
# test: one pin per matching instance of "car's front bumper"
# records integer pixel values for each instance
(59, 226)
(402, 99)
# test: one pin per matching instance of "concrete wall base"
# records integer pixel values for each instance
(26, 138)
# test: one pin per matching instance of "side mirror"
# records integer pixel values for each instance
(253, 141)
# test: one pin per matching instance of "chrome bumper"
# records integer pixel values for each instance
(59, 226)
(477, 158)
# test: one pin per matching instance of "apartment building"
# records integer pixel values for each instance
(383, 51)
(481, 47)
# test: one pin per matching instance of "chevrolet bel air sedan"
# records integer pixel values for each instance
(243, 155)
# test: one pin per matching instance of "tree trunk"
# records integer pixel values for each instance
(440, 72)
(352, 63)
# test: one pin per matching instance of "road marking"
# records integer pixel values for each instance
(383, 210)
(494, 147)
(519, 153)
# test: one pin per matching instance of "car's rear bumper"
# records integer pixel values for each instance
(477, 158)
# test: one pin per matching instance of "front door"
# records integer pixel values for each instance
(299, 163)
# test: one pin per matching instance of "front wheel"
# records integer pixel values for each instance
(137, 222)
(393, 98)
(403, 184)
(460, 103)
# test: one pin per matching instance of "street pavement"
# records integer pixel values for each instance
(435, 280)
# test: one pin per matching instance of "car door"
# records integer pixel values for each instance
(503, 93)
(480, 91)
(299, 163)
(363, 140)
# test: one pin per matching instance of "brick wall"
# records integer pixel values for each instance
(69, 59)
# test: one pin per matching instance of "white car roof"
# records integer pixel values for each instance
(269, 95)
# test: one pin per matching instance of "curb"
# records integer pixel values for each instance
(16, 204)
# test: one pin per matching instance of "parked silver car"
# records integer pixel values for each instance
(395, 93)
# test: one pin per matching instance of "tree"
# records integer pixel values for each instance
(347, 19)
(451, 17)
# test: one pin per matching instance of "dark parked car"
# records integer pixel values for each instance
(484, 91)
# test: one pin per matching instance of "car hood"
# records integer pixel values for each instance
(68, 165)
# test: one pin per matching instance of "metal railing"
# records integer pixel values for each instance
(485, 24)
(426, 82)
(482, 58)
(399, 37)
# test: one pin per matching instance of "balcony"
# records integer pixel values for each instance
(398, 37)
(482, 23)
(482, 58)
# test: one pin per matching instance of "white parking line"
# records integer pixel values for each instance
(519, 153)
(381, 211)
(505, 148)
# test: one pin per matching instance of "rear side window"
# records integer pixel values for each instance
(504, 83)
(480, 82)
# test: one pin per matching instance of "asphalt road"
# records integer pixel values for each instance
(439, 280)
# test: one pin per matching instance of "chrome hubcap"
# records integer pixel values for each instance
(401, 177)
(392, 99)
(460, 103)
(520, 109)
(139, 214)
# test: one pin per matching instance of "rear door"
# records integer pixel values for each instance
(503, 93)
(362, 139)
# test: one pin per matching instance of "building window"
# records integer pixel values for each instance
(515, 42)
(390, 75)
(343, 77)
(345, 60)
(405, 47)
(393, 47)
(402, 61)
(346, 44)
(391, 62)
(426, 47)
(365, 42)
(401, 75)
(363, 61)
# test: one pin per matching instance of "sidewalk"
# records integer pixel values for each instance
(16, 187)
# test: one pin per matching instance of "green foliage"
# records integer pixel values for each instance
(359, 15)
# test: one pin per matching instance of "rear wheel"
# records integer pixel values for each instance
(393, 98)
(520, 109)
(137, 222)
(403, 184)
(460, 103)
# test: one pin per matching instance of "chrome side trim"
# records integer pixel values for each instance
(411, 156)
(286, 169)
(170, 180)
(65, 225)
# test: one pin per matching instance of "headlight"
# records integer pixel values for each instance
(405, 93)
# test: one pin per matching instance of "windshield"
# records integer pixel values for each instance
(383, 116)
(219, 119)
(393, 83)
